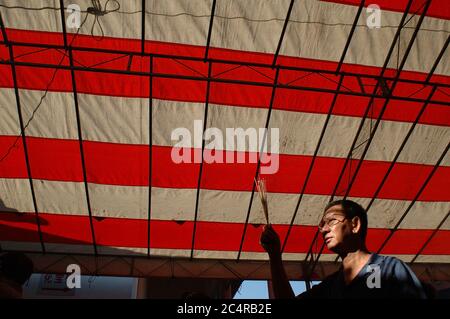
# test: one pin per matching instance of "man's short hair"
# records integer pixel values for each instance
(352, 209)
(16, 267)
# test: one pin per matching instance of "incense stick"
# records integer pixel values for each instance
(261, 188)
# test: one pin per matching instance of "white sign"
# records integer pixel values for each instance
(54, 285)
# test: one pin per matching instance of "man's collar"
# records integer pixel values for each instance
(375, 259)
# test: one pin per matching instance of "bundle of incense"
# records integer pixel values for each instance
(261, 188)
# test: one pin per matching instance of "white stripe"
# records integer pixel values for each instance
(125, 120)
(426, 215)
(286, 256)
(119, 201)
(170, 115)
(114, 119)
(9, 120)
(424, 146)
(424, 52)
(423, 259)
(39, 20)
(109, 250)
(229, 206)
(214, 206)
(433, 259)
(243, 34)
(177, 21)
(21, 246)
(301, 257)
(224, 205)
(170, 252)
(15, 195)
(55, 117)
(60, 197)
(317, 29)
(228, 117)
(300, 133)
(113, 24)
(245, 255)
(173, 204)
(368, 46)
(49, 247)
(69, 249)
(404, 258)
(214, 254)
(385, 213)
(198, 254)
(446, 224)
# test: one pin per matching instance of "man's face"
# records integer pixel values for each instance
(335, 228)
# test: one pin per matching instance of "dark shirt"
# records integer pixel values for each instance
(381, 277)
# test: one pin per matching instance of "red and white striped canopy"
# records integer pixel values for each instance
(91, 172)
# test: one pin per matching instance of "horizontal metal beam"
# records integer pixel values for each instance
(218, 80)
(144, 267)
(223, 61)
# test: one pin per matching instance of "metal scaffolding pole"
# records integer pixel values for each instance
(23, 135)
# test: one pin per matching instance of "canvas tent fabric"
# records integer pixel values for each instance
(92, 171)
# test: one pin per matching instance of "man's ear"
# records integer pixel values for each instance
(356, 224)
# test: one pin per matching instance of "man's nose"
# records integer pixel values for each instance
(325, 229)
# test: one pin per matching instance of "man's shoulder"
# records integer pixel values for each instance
(385, 261)
(323, 289)
(388, 263)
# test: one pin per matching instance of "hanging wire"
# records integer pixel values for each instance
(14, 144)
(174, 15)
(97, 10)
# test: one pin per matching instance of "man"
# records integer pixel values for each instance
(344, 228)
(15, 270)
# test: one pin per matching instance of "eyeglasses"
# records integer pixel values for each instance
(330, 222)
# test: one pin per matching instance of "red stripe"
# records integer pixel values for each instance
(18, 227)
(13, 163)
(412, 240)
(227, 94)
(438, 8)
(220, 93)
(177, 49)
(439, 244)
(125, 164)
(121, 232)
